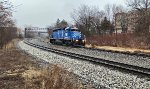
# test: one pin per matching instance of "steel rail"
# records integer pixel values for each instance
(136, 53)
(128, 67)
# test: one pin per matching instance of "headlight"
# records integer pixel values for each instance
(83, 40)
(76, 40)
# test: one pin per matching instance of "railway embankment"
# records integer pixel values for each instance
(97, 75)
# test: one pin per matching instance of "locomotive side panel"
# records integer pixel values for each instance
(61, 34)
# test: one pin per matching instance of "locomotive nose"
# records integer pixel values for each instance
(76, 35)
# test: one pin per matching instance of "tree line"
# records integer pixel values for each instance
(142, 26)
(8, 31)
(92, 21)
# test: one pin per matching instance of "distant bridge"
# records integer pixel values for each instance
(36, 30)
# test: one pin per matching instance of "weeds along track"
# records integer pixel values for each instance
(115, 64)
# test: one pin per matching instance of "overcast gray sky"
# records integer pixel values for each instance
(42, 13)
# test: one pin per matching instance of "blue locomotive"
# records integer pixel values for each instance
(68, 36)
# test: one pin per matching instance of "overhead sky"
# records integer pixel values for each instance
(42, 13)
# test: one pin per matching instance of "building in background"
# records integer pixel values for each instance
(133, 17)
(125, 22)
(121, 22)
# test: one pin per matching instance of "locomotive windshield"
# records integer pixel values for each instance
(74, 29)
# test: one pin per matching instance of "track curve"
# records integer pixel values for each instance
(128, 67)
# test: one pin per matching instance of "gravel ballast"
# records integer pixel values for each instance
(97, 74)
(117, 57)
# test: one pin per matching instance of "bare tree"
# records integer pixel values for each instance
(7, 29)
(139, 4)
(6, 13)
(97, 21)
(88, 19)
(61, 24)
(117, 9)
(108, 11)
(142, 9)
(112, 12)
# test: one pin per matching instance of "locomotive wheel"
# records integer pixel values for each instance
(83, 44)
(51, 41)
(63, 42)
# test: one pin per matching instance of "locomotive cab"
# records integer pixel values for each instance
(77, 37)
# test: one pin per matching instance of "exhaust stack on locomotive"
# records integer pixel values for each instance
(68, 36)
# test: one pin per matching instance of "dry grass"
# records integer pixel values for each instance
(51, 78)
(121, 49)
(20, 71)
(126, 42)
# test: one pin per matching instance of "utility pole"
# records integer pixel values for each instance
(25, 32)
(116, 30)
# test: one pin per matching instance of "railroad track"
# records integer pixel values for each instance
(132, 68)
(136, 53)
